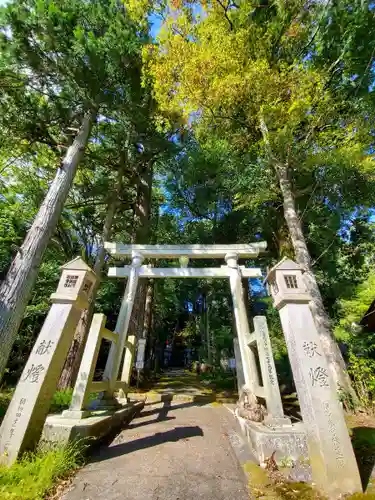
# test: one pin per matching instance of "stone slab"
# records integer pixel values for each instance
(58, 428)
(289, 442)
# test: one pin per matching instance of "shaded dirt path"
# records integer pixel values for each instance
(173, 450)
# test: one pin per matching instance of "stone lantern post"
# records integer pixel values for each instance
(246, 355)
(24, 420)
(122, 325)
(334, 467)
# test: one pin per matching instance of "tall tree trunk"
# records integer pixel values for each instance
(142, 212)
(157, 347)
(16, 289)
(71, 366)
(302, 256)
(321, 318)
(147, 324)
(148, 309)
(208, 333)
(70, 371)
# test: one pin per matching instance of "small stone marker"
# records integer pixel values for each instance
(140, 354)
(270, 382)
(334, 467)
(24, 420)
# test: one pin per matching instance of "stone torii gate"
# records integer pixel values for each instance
(232, 271)
(322, 436)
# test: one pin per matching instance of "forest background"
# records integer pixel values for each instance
(189, 122)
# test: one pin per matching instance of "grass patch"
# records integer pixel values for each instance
(220, 380)
(5, 397)
(36, 475)
(61, 401)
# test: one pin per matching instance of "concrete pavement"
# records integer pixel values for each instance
(172, 451)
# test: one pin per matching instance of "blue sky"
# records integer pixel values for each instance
(156, 22)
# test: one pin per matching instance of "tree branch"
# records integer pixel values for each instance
(225, 9)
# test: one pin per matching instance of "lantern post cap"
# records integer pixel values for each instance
(77, 264)
(285, 264)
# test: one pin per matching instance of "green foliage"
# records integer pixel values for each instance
(35, 475)
(360, 342)
(57, 60)
(362, 371)
(189, 332)
(352, 310)
(61, 401)
(223, 336)
(5, 397)
(213, 74)
(220, 380)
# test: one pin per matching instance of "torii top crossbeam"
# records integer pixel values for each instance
(248, 250)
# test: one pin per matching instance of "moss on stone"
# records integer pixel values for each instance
(262, 486)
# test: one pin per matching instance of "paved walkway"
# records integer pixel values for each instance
(179, 384)
(172, 451)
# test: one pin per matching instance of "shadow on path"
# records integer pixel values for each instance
(363, 441)
(175, 434)
(161, 412)
(162, 415)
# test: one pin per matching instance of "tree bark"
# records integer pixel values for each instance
(16, 289)
(147, 324)
(302, 255)
(70, 371)
(148, 309)
(142, 212)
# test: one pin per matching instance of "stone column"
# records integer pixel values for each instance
(23, 423)
(81, 392)
(334, 467)
(242, 325)
(239, 370)
(114, 359)
(269, 375)
(128, 359)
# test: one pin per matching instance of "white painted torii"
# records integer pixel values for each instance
(137, 253)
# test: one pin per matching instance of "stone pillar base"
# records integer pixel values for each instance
(76, 414)
(61, 429)
(276, 422)
(289, 442)
(105, 404)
